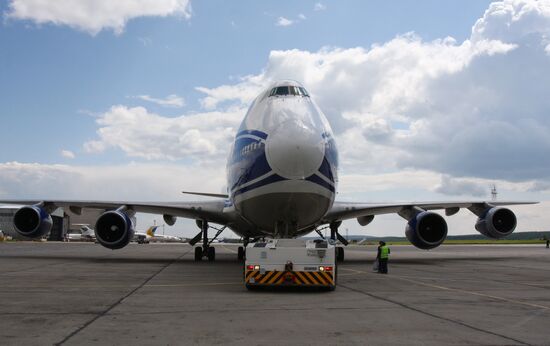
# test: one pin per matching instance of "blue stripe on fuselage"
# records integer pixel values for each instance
(326, 170)
(268, 180)
(256, 133)
(249, 162)
(319, 181)
(275, 178)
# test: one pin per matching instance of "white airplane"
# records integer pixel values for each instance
(282, 178)
(85, 234)
(150, 236)
(142, 237)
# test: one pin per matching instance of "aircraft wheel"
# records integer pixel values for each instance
(340, 254)
(240, 253)
(211, 253)
(198, 254)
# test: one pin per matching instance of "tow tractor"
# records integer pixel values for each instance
(291, 262)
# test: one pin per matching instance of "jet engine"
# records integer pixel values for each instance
(114, 229)
(426, 230)
(496, 222)
(32, 221)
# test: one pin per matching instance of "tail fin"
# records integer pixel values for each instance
(151, 231)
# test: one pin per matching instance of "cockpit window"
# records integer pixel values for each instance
(288, 90)
(281, 91)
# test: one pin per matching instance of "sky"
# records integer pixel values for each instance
(138, 100)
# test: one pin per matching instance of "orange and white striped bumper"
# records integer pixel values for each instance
(295, 278)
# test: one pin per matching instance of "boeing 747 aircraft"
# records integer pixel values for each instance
(282, 179)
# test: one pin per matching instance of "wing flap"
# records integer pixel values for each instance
(343, 210)
(208, 210)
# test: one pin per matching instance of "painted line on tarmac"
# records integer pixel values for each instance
(353, 272)
(229, 249)
(120, 300)
(197, 284)
(65, 287)
(427, 313)
(538, 306)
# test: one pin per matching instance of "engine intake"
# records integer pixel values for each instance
(496, 223)
(32, 221)
(426, 230)
(114, 229)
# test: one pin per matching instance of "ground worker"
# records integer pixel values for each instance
(547, 243)
(382, 256)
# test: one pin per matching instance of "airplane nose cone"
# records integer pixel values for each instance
(294, 151)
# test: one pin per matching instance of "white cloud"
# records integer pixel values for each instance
(471, 109)
(282, 21)
(302, 16)
(130, 182)
(67, 154)
(412, 119)
(42, 181)
(461, 187)
(169, 101)
(513, 20)
(92, 16)
(145, 41)
(142, 134)
(33, 180)
(319, 7)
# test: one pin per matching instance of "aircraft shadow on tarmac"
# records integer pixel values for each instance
(231, 259)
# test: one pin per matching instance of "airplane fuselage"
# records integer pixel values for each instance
(282, 170)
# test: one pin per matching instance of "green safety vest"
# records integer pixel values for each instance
(384, 252)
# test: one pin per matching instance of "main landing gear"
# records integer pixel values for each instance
(335, 235)
(241, 253)
(205, 250)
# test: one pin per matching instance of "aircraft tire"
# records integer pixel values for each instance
(340, 254)
(240, 253)
(211, 253)
(198, 254)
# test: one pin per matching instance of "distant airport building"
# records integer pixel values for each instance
(6, 218)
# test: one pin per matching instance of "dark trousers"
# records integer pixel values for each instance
(383, 265)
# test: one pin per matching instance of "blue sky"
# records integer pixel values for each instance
(429, 100)
(52, 75)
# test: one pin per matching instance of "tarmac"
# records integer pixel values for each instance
(155, 294)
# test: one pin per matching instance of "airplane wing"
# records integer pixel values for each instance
(346, 210)
(208, 210)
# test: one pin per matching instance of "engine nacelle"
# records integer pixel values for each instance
(32, 221)
(426, 230)
(496, 223)
(114, 229)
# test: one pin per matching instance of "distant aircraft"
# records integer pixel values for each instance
(151, 236)
(142, 237)
(363, 241)
(282, 183)
(84, 234)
